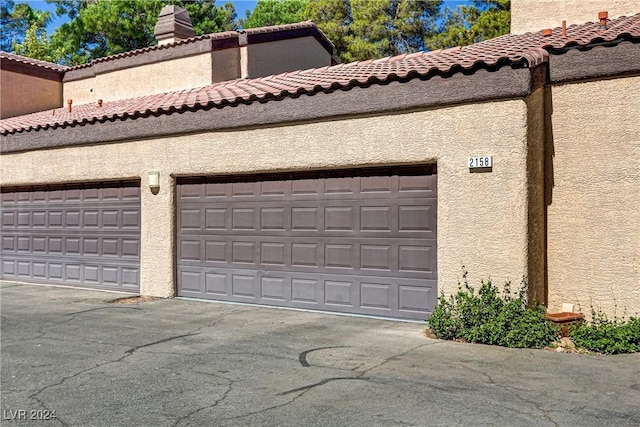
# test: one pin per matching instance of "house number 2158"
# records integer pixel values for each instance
(480, 162)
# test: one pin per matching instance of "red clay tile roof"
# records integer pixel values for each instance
(530, 49)
(6, 56)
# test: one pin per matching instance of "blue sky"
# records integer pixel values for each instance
(241, 7)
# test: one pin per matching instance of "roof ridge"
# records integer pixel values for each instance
(32, 61)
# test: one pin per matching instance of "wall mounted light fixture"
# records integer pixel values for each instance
(154, 181)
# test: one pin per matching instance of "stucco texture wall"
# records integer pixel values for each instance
(482, 217)
(594, 215)
(536, 15)
(166, 76)
(23, 94)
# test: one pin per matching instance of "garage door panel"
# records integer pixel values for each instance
(353, 188)
(274, 218)
(243, 286)
(24, 244)
(275, 188)
(390, 297)
(340, 293)
(40, 270)
(274, 288)
(8, 243)
(374, 217)
(190, 282)
(92, 274)
(86, 235)
(414, 298)
(385, 257)
(351, 256)
(39, 219)
(215, 219)
(243, 253)
(190, 219)
(55, 271)
(130, 277)
(243, 219)
(216, 251)
(349, 241)
(216, 284)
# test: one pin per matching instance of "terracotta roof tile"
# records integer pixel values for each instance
(530, 49)
(6, 56)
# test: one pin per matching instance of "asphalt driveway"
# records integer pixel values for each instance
(175, 362)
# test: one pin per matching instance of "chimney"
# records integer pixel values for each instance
(173, 24)
(602, 16)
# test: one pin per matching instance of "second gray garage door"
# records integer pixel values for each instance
(357, 241)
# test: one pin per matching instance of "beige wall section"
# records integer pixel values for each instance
(265, 59)
(157, 269)
(482, 217)
(535, 15)
(24, 94)
(594, 217)
(82, 91)
(176, 74)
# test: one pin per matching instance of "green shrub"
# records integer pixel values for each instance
(607, 336)
(489, 317)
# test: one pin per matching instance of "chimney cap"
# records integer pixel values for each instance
(173, 24)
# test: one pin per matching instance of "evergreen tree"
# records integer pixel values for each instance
(99, 28)
(482, 20)
(366, 29)
(17, 20)
(275, 12)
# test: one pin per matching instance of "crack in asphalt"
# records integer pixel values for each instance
(35, 396)
(513, 391)
(103, 308)
(128, 353)
(304, 389)
(319, 383)
(395, 356)
(230, 384)
(138, 347)
(41, 331)
(606, 415)
(46, 408)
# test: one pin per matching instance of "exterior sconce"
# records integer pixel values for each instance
(154, 182)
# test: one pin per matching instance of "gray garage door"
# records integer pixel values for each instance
(358, 241)
(83, 235)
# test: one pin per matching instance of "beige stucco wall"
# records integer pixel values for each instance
(535, 15)
(594, 217)
(265, 59)
(24, 94)
(172, 75)
(482, 217)
(258, 60)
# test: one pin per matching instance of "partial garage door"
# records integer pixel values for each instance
(83, 235)
(357, 241)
